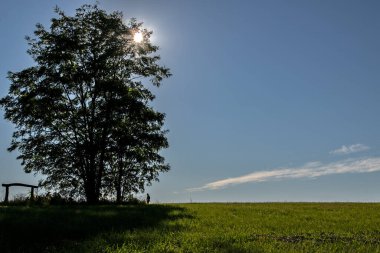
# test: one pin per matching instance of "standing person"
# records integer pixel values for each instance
(147, 198)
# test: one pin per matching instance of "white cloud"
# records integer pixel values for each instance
(309, 170)
(349, 149)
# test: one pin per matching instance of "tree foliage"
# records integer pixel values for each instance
(82, 114)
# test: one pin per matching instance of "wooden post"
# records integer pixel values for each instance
(31, 193)
(6, 193)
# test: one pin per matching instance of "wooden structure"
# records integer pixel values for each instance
(32, 187)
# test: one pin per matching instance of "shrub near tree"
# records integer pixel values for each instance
(82, 113)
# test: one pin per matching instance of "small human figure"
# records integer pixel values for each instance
(147, 198)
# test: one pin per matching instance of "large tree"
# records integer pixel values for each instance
(82, 113)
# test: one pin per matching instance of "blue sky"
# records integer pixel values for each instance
(269, 100)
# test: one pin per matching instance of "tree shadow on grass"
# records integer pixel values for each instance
(57, 228)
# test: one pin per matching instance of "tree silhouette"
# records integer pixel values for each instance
(82, 114)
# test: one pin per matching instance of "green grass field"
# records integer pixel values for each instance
(272, 227)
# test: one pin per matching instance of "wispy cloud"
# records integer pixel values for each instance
(309, 170)
(344, 150)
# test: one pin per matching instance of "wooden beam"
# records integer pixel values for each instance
(19, 184)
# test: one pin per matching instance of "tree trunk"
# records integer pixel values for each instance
(92, 196)
(118, 181)
(118, 194)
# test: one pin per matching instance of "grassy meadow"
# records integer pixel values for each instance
(219, 227)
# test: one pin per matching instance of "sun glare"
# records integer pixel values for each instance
(138, 37)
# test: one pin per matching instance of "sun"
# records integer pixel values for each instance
(138, 37)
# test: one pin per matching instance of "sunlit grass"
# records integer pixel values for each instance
(271, 227)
